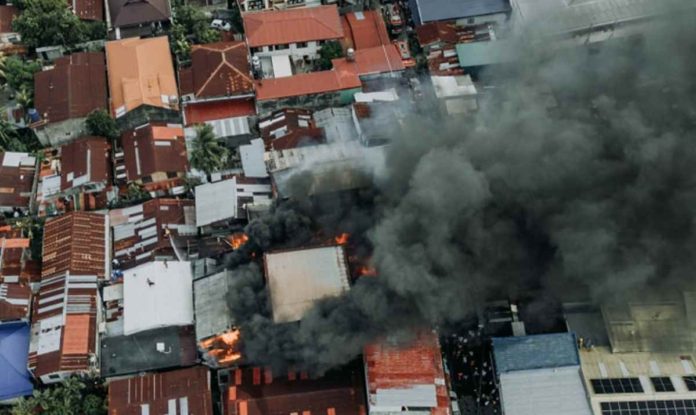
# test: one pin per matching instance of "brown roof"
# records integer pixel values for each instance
(290, 128)
(87, 157)
(292, 26)
(366, 29)
(257, 391)
(140, 72)
(307, 84)
(154, 148)
(15, 274)
(88, 9)
(379, 59)
(200, 112)
(220, 69)
(135, 12)
(434, 32)
(73, 88)
(192, 385)
(16, 178)
(7, 14)
(75, 242)
(172, 218)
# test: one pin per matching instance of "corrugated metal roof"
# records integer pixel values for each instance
(7, 14)
(146, 153)
(535, 352)
(431, 10)
(210, 301)
(16, 177)
(253, 159)
(85, 161)
(216, 202)
(292, 26)
(544, 392)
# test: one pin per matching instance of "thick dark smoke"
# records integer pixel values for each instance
(576, 179)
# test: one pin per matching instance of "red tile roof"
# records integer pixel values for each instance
(16, 179)
(75, 243)
(88, 9)
(199, 113)
(292, 26)
(366, 32)
(73, 88)
(189, 387)
(220, 70)
(154, 148)
(307, 84)
(7, 13)
(87, 157)
(376, 60)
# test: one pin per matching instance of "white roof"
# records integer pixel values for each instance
(157, 294)
(14, 159)
(544, 392)
(297, 279)
(453, 86)
(230, 127)
(381, 96)
(252, 159)
(393, 399)
(212, 312)
(216, 201)
(281, 66)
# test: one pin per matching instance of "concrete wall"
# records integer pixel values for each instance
(297, 53)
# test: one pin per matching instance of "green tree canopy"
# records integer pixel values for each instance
(195, 24)
(100, 123)
(329, 51)
(207, 154)
(68, 398)
(19, 73)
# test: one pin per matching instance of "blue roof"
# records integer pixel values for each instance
(424, 11)
(15, 380)
(535, 352)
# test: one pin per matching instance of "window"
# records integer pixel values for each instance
(471, 20)
(675, 407)
(690, 382)
(301, 44)
(662, 384)
(616, 385)
(172, 174)
(54, 376)
(281, 47)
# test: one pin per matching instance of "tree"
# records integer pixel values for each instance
(136, 193)
(195, 23)
(49, 23)
(207, 154)
(100, 123)
(329, 51)
(20, 73)
(70, 397)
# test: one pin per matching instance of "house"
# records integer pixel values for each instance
(147, 231)
(457, 94)
(227, 200)
(314, 90)
(218, 86)
(136, 18)
(88, 9)
(293, 34)
(154, 156)
(262, 391)
(377, 122)
(142, 85)
(289, 128)
(336, 123)
(17, 172)
(64, 326)
(540, 374)
(7, 34)
(297, 279)
(15, 381)
(184, 391)
(17, 273)
(464, 12)
(253, 156)
(260, 5)
(364, 30)
(66, 93)
(406, 375)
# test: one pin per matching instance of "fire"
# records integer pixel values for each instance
(236, 240)
(367, 271)
(223, 347)
(342, 239)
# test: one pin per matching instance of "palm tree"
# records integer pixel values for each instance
(8, 134)
(25, 97)
(3, 59)
(207, 154)
(24, 406)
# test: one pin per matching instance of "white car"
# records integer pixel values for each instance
(221, 24)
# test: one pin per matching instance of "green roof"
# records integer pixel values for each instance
(485, 53)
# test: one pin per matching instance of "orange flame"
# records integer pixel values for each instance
(236, 240)
(222, 347)
(367, 271)
(342, 239)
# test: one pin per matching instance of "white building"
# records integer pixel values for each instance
(229, 199)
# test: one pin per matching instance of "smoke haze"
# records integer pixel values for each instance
(576, 178)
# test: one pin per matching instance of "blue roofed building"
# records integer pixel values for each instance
(540, 375)
(464, 12)
(15, 380)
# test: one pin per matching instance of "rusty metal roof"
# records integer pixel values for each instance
(16, 177)
(85, 161)
(7, 14)
(154, 148)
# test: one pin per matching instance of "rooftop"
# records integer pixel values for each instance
(292, 26)
(15, 380)
(200, 112)
(154, 148)
(365, 29)
(73, 88)
(89, 9)
(297, 279)
(85, 161)
(157, 294)
(226, 199)
(132, 13)
(485, 53)
(16, 273)
(210, 301)
(431, 10)
(16, 177)
(535, 352)
(161, 393)
(370, 61)
(7, 14)
(140, 72)
(311, 83)
(163, 348)
(219, 70)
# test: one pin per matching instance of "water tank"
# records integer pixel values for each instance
(34, 115)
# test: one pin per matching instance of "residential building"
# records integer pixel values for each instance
(220, 202)
(9, 39)
(336, 123)
(15, 381)
(88, 9)
(252, 156)
(151, 230)
(377, 122)
(296, 34)
(457, 94)
(67, 309)
(406, 376)
(439, 41)
(540, 375)
(261, 391)
(17, 172)
(218, 86)
(297, 279)
(17, 273)
(154, 156)
(65, 93)
(260, 5)
(142, 85)
(136, 18)
(184, 391)
(462, 11)
(290, 128)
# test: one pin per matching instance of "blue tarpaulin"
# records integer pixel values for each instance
(15, 380)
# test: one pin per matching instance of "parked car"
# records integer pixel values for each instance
(221, 25)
